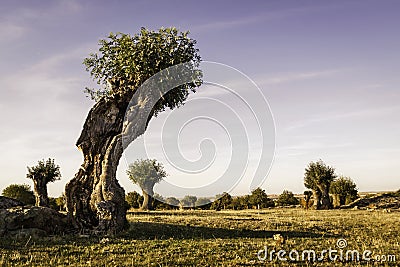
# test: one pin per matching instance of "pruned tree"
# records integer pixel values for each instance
(43, 173)
(344, 191)
(146, 173)
(20, 192)
(139, 76)
(318, 177)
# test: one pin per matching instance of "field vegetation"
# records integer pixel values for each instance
(216, 238)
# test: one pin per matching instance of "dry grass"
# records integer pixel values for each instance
(209, 238)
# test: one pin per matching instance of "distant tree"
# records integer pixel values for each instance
(318, 177)
(189, 201)
(203, 203)
(259, 199)
(134, 199)
(21, 192)
(344, 191)
(146, 173)
(43, 173)
(61, 202)
(172, 201)
(241, 202)
(286, 199)
(222, 201)
(159, 202)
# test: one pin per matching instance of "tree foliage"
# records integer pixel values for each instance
(287, 198)
(318, 174)
(318, 177)
(222, 201)
(259, 199)
(203, 203)
(172, 201)
(46, 171)
(134, 199)
(21, 192)
(42, 174)
(146, 173)
(188, 201)
(344, 190)
(124, 62)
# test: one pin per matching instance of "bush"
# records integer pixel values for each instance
(21, 192)
(287, 199)
(344, 191)
(133, 199)
(222, 201)
(259, 199)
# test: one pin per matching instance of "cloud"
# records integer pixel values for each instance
(10, 32)
(256, 19)
(344, 115)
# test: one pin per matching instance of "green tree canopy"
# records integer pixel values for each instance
(124, 62)
(345, 189)
(287, 198)
(202, 201)
(259, 199)
(172, 201)
(146, 172)
(318, 177)
(21, 192)
(134, 199)
(43, 173)
(189, 201)
(222, 201)
(47, 171)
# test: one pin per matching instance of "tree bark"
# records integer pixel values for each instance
(325, 199)
(95, 200)
(147, 199)
(317, 199)
(40, 189)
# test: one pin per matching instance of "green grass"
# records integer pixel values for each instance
(209, 238)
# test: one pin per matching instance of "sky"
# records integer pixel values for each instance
(328, 71)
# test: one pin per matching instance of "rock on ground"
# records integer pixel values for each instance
(43, 220)
(6, 203)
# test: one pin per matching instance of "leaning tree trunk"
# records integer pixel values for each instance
(147, 199)
(40, 189)
(95, 200)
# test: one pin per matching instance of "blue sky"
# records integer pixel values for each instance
(329, 70)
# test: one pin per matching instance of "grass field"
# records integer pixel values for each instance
(224, 238)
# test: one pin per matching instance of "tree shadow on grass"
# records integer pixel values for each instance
(151, 230)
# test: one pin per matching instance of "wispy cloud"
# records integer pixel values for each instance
(255, 19)
(367, 113)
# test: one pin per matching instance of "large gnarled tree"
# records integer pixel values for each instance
(136, 74)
